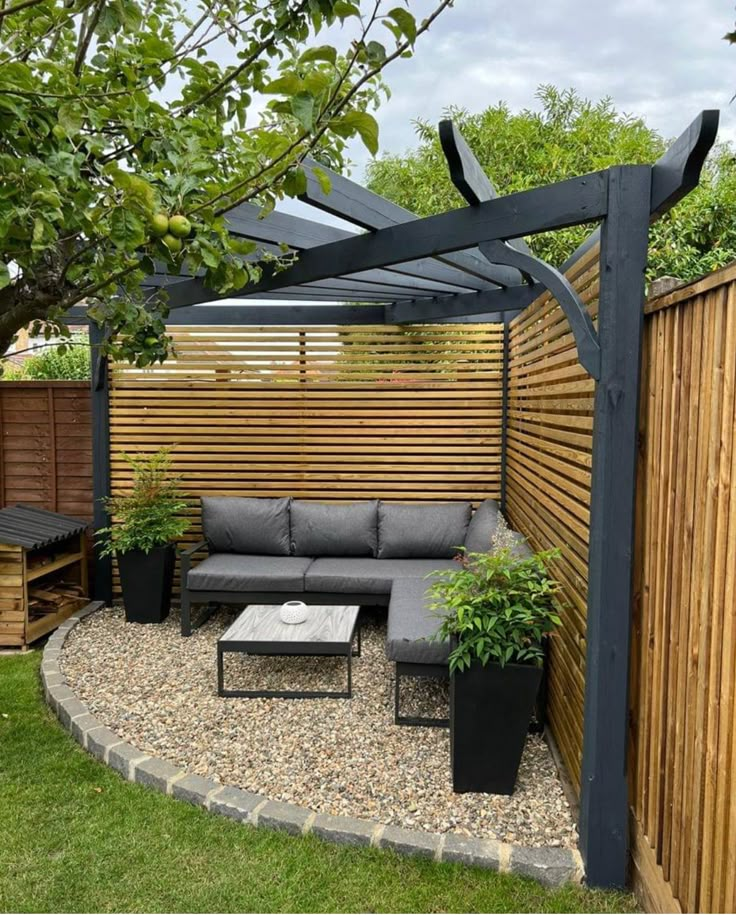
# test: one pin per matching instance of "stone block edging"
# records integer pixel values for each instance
(550, 866)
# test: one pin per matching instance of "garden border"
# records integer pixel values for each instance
(550, 866)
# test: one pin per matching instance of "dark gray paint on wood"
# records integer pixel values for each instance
(604, 784)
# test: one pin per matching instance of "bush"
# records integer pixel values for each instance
(59, 363)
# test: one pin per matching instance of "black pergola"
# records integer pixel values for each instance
(472, 263)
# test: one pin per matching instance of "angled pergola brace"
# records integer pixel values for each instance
(586, 338)
(476, 187)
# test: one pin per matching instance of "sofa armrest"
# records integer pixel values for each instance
(198, 547)
(186, 556)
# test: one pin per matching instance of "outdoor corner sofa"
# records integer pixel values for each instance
(370, 552)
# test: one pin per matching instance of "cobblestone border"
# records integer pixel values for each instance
(550, 866)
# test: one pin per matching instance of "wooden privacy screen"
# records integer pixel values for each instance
(46, 446)
(390, 412)
(548, 467)
(683, 741)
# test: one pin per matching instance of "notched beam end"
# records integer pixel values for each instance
(465, 171)
(677, 172)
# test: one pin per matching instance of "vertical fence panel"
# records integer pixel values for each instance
(683, 703)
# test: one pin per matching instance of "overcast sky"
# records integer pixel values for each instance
(662, 60)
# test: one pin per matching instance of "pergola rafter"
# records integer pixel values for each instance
(473, 261)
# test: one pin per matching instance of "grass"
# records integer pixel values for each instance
(76, 837)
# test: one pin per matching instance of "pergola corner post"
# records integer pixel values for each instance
(100, 458)
(604, 783)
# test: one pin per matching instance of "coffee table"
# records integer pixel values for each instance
(258, 630)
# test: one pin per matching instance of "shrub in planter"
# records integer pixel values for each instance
(147, 522)
(496, 609)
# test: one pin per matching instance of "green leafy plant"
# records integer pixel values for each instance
(149, 515)
(68, 362)
(130, 129)
(496, 607)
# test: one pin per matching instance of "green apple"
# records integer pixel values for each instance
(172, 243)
(180, 226)
(159, 224)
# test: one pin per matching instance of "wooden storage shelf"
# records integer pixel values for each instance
(43, 575)
(38, 571)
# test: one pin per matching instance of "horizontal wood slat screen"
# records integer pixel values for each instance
(548, 475)
(683, 697)
(391, 412)
(46, 446)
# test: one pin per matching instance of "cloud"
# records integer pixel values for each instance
(663, 61)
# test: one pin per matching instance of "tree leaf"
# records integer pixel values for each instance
(323, 52)
(405, 21)
(325, 185)
(365, 125)
(302, 107)
(4, 275)
(126, 229)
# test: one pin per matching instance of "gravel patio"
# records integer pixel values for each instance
(335, 756)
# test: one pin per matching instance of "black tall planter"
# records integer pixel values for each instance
(490, 710)
(146, 580)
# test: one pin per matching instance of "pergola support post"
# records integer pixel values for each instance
(604, 785)
(100, 458)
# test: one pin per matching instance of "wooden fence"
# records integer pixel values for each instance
(683, 686)
(46, 446)
(321, 412)
(548, 475)
(683, 705)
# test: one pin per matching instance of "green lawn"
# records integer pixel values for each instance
(76, 837)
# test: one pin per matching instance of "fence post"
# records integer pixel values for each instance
(604, 783)
(100, 458)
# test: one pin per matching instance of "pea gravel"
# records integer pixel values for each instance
(342, 757)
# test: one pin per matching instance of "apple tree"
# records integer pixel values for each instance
(130, 128)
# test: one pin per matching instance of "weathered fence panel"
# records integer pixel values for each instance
(46, 446)
(325, 413)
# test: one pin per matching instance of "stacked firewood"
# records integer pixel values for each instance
(53, 599)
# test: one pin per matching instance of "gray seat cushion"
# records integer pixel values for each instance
(229, 572)
(411, 624)
(482, 527)
(328, 529)
(434, 530)
(368, 576)
(233, 525)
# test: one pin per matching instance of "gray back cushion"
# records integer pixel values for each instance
(253, 526)
(325, 529)
(482, 527)
(434, 530)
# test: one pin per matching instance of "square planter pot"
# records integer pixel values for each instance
(490, 710)
(146, 580)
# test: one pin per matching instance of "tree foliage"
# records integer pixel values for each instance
(119, 117)
(569, 136)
